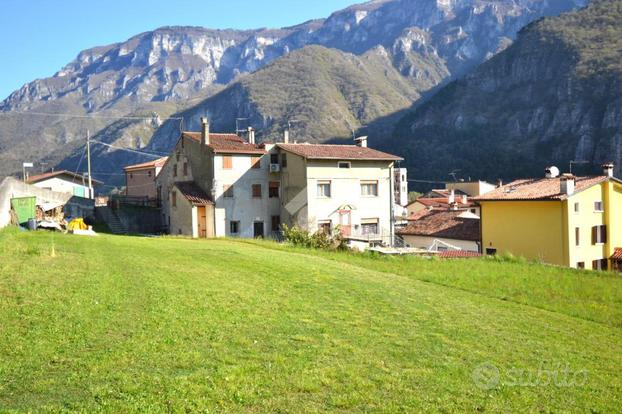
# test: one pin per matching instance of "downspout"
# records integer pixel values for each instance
(391, 201)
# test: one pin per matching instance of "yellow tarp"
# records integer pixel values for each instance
(77, 224)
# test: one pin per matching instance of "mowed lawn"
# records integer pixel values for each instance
(124, 324)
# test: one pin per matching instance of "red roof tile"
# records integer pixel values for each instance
(442, 202)
(145, 165)
(444, 224)
(458, 254)
(617, 254)
(228, 143)
(193, 193)
(538, 189)
(73, 177)
(337, 152)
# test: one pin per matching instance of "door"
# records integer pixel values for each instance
(202, 214)
(258, 229)
(345, 222)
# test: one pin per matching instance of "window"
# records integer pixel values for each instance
(473, 211)
(256, 162)
(581, 265)
(369, 226)
(131, 176)
(323, 188)
(325, 226)
(174, 198)
(227, 191)
(283, 160)
(175, 170)
(234, 227)
(185, 168)
(599, 234)
(576, 207)
(276, 223)
(577, 235)
(601, 264)
(149, 173)
(490, 251)
(369, 188)
(598, 206)
(273, 189)
(344, 164)
(274, 158)
(256, 190)
(227, 162)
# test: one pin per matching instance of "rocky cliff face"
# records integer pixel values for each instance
(426, 41)
(554, 96)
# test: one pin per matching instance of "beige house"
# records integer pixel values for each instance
(250, 189)
(344, 186)
(140, 179)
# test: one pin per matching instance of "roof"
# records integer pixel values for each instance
(193, 193)
(538, 189)
(54, 174)
(458, 254)
(146, 165)
(442, 202)
(227, 143)
(444, 224)
(617, 254)
(337, 152)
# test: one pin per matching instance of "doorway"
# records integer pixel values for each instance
(345, 222)
(202, 214)
(258, 229)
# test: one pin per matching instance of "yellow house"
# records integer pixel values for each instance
(563, 220)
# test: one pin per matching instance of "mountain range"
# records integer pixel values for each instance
(553, 97)
(368, 64)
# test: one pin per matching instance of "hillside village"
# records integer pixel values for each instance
(394, 206)
(228, 185)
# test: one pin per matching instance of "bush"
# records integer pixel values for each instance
(318, 240)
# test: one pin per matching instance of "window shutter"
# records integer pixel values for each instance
(594, 235)
(603, 234)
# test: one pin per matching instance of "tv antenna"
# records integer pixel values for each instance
(237, 125)
(577, 162)
(453, 175)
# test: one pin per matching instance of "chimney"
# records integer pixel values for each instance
(204, 131)
(499, 183)
(251, 135)
(361, 141)
(566, 184)
(452, 197)
(465, 199)
(286, 136)
(608, 169)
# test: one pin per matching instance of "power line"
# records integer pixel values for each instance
(89, 116)
(130, 150)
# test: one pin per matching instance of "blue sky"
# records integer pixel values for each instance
(41, 36)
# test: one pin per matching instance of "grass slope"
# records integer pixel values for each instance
(120, 324)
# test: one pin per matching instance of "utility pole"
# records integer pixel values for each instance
(88, 161)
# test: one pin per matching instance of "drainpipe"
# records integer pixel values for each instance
(391, 201)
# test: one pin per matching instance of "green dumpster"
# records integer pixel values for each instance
(25, 208)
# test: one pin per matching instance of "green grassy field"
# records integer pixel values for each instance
(122, 324)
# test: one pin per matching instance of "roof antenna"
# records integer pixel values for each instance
(237, 125)
(453, 175)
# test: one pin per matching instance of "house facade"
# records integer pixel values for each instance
(563, 220)
(250, 189)
(64, 182)
(140, 179)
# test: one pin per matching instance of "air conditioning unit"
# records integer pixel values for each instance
(275, 168)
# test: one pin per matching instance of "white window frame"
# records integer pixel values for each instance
(321, 183)
(371, 183)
